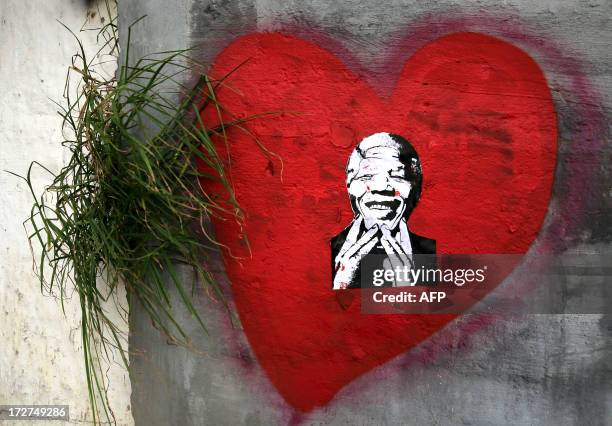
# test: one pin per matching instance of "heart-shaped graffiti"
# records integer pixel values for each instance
(480, 115)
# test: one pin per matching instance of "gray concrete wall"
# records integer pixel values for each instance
(533, 369)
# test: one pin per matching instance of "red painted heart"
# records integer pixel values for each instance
(480, 114)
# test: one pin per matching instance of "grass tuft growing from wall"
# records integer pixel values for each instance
(127, 207)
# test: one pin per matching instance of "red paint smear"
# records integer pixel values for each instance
(480, 114)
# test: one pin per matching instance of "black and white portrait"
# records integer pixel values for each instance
(384, 181)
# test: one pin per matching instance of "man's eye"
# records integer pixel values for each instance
(398, 175)
(365, 177)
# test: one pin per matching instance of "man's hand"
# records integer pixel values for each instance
(396, 255)
(349, 257)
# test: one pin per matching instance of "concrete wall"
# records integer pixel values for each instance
(41, 359)
(533, 369)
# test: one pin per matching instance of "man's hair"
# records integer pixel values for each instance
(407, 156)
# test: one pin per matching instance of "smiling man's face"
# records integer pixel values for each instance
(378, 183)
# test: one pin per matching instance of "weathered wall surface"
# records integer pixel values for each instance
(41, 359)
(532, 369)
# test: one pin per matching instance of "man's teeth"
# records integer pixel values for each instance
(379, 206)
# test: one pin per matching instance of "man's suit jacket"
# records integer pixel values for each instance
(420, 246)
